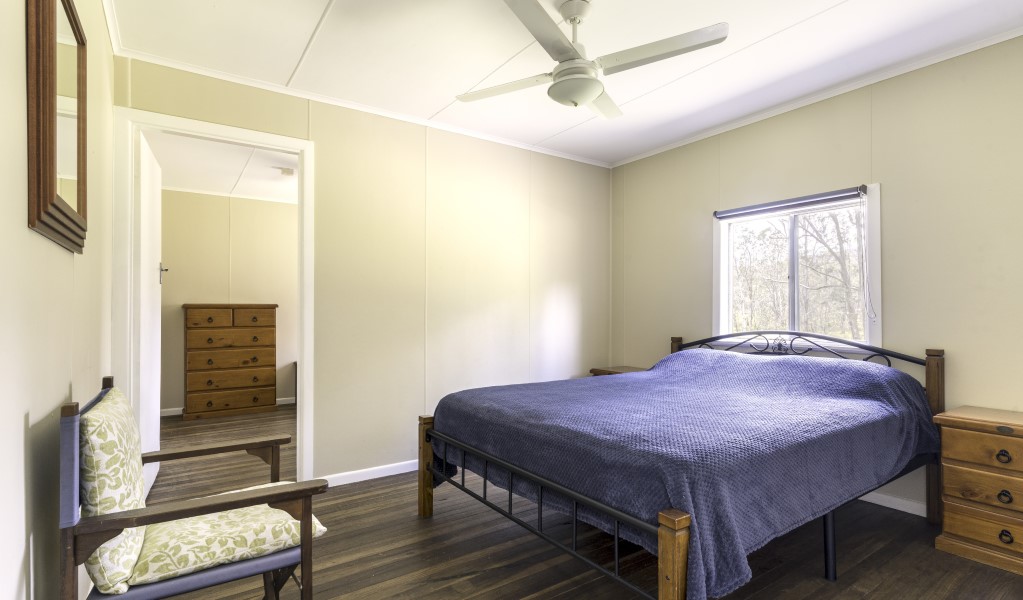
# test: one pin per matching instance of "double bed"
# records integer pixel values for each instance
(700, 460)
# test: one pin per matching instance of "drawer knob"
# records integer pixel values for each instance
(255, 319)
(255, 338)
(209, 361)
(209, 319)
(255, 359)
(209, 404)
(1005, 536)
(1003, 457)
(255, 399)
(209, 340)
(255, 379)
(209, 382)
(1005, 497)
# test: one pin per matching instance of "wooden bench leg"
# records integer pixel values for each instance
(425, 474)
(269, 588)
(68, 568)
(672, 554)
(307, 548)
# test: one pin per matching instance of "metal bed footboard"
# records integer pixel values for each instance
(504, 506)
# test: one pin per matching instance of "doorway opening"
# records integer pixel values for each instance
(239, 222)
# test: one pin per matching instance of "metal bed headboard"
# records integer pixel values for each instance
(795, 342)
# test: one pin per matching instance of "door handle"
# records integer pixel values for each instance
(162, 271)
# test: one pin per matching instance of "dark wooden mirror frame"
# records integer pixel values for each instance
(48, 213)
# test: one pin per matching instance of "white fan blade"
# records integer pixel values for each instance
(605, 107)
(659, 50)
(544, 29)
(504, 88)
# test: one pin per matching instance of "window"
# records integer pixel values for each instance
(808, 264)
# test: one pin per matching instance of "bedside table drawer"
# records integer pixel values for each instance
(983, 487)
(988, 449)
(1001, 532)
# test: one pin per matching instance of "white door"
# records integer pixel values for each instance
(149, 278)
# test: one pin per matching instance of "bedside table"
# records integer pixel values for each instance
(616, 371)
(982, 485)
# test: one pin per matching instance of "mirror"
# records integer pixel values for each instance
(56, 122)
(67, 110)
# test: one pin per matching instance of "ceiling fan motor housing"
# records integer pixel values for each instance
(574, 9)
(575, 83)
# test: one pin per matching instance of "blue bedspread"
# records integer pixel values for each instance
(751, 445)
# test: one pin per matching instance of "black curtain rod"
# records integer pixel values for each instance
(793, 203)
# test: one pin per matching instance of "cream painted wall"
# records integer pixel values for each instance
(159, 89)
(442, 261)
(942, 141)
(57, 340)
(569, 253)
(477, 257)
(370, 288)
(221, 249)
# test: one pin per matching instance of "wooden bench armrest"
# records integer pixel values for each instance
(216, 448)
(290, 497)
(267, 449)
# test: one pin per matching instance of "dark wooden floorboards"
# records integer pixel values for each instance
(376, 547)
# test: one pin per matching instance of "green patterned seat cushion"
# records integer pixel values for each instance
(180, 547)
(111, 481)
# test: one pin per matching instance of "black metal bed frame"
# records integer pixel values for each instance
(541, 484)
(757, 342)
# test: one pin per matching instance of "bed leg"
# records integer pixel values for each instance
(935, 384)
(830, 554)
(672, 554)
(425, 463)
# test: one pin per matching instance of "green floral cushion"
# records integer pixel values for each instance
(111, 481)
(180, 547)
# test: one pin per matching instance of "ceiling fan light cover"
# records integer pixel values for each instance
(575, 90)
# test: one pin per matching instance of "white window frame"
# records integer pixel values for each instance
(721, 321)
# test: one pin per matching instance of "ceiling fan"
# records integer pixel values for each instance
(575, 80)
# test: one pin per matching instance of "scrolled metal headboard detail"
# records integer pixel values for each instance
(797, 343)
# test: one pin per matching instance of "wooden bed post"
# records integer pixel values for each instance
(675, 343)
(672, 554)
(935, 384)
(425, 474)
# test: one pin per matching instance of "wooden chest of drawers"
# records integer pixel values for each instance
(982, 485)
(230, 359)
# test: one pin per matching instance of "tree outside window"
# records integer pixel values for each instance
(801, 270)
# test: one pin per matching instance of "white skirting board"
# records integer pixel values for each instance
(913, 507)
(173, 412)
(371, 473)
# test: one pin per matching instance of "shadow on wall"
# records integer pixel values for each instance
(39, 578)
(288, 376)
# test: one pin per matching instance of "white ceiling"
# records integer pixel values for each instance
(194, 164)
(409, 58)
